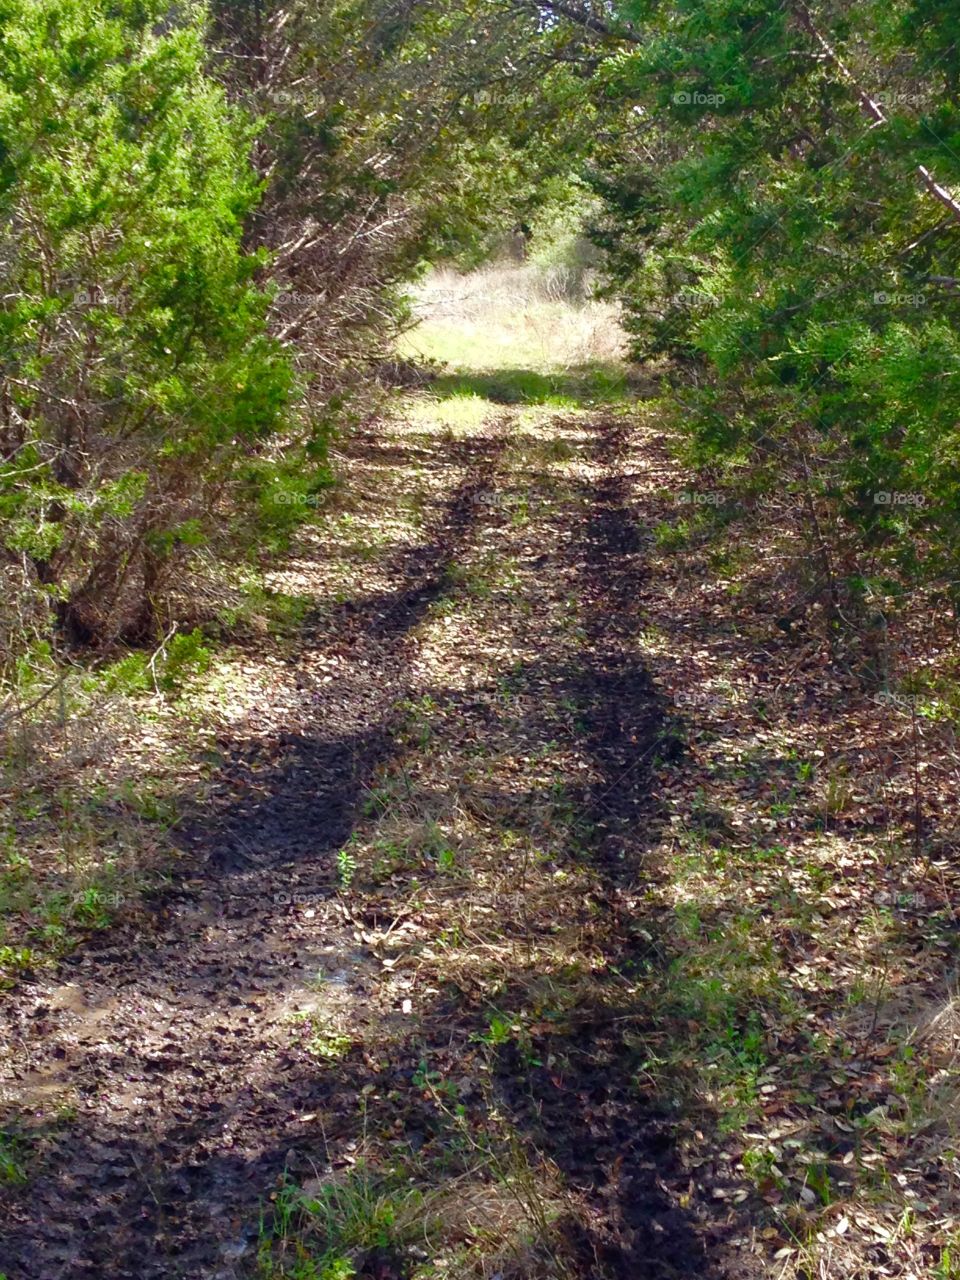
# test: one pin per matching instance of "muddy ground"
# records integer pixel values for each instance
(161, 1072)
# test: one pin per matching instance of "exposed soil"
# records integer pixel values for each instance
(171, 1033)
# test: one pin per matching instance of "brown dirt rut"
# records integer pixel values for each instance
(171, 1028)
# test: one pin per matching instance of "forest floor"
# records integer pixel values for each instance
(545, 909)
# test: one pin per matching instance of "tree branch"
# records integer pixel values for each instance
(589, 22)
(872, 109)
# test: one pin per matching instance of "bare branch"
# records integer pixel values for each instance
(582, 18)
(872, 109)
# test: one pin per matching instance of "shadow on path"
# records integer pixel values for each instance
(170, 1027)
(613, 1142)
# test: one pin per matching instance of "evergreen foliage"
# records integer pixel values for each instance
(780, 219)
(138, 374)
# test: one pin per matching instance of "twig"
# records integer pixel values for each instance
(22, 711)
(161, 649)
(870, 107)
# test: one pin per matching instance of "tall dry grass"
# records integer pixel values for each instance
(513, 315)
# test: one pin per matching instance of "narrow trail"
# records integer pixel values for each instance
(176, 1031)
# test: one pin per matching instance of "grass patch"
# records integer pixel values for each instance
(462, 409)
(582, 387)
(13, 1160)
(321, 1036)
(324, 1231)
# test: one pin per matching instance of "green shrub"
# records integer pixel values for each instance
(185, 656)
(137, 370)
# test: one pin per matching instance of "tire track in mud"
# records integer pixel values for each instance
(192, 1098)
(621, 1150)
(171, 1029)
(580, 696)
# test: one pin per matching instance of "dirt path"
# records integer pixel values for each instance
(399, 932)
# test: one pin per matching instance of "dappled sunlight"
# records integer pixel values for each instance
(544, 881)
(460, 413)
(809, 937)
(479, 641)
